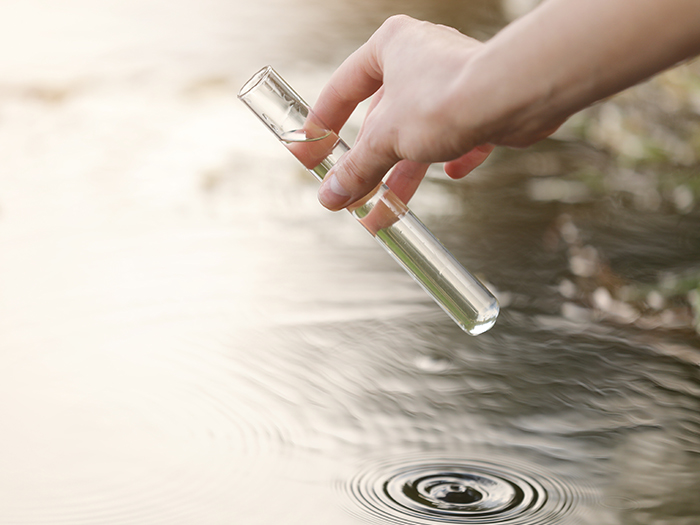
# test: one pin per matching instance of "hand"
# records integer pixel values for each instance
(414, 71)
(440, 96)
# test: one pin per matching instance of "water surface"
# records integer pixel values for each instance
(188, 337)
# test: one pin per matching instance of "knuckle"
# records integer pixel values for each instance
(396, 21)
(355, 178)
(449, 29)
(338, 97)
(394, 25)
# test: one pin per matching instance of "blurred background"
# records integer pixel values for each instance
(187, 336)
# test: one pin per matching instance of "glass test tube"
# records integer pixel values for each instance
(382, 213)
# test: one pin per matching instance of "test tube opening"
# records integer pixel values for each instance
(254, 81)
(279, 107)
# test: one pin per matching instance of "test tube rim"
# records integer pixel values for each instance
(258, 78)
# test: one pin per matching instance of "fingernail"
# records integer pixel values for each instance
(332, 195)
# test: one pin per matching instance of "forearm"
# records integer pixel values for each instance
(567, 54)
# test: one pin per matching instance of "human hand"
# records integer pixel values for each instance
(440, 96)
(414, 71)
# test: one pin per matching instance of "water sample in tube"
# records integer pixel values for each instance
(382, 213)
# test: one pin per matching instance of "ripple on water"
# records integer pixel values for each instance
(465, 491)
(147, 440)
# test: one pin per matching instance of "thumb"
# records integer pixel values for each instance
(355, 174)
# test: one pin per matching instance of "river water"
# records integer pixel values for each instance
(188, 337)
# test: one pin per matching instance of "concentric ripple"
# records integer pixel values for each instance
(463, 491)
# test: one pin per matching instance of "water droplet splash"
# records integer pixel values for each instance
(462, 491)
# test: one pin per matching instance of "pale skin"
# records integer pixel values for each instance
(441, 96)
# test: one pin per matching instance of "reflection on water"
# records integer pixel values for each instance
(188, 337)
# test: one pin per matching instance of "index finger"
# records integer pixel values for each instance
(355, 80)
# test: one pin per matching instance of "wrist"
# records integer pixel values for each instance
(503, 100)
